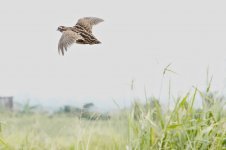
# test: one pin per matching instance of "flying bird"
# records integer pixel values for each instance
(81, 33)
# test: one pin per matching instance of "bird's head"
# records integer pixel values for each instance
(61, 28)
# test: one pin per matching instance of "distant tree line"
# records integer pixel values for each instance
(86, 112)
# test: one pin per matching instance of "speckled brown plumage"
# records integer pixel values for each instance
(81, 33)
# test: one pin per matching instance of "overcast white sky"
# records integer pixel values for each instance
(139, 38)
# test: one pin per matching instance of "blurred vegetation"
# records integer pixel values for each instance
(86, 112)
(145, 125)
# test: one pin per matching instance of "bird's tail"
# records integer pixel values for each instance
(96, 41)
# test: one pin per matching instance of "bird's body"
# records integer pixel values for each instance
(88, 38)
(81, 33)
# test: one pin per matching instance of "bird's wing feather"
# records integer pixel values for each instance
(67, 39)
(88, 22)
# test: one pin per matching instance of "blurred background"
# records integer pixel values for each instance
(139, 40)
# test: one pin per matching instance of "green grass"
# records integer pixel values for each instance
(142, 127)
(61, 132)
(183, 127)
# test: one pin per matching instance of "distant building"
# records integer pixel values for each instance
(6, 102)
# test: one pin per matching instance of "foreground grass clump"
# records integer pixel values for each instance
(183, 127)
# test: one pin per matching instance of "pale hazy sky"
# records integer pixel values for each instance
(139, 38)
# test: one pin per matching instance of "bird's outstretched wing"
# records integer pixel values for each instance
(88, 22)
(67, 39)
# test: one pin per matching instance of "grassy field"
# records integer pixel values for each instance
(61, 132)
(141, 127)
